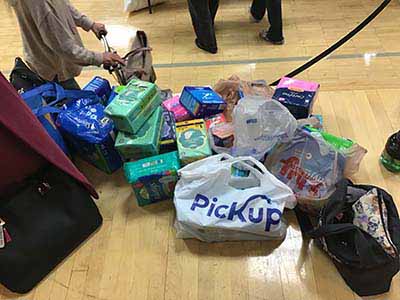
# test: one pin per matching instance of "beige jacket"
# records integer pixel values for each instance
(52, 45)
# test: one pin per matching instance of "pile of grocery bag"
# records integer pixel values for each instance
(233, 158)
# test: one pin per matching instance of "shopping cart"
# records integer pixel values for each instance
(135, 61)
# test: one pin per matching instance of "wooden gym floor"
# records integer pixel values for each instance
(135, 255)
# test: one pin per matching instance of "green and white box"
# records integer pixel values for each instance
(145, 143)
(153, 179)
(134, 105)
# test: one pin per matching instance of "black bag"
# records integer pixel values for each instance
(23, 78)
(47, 218)
(362, 262)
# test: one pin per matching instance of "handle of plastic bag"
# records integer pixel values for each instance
(260, 174)
(187, 171)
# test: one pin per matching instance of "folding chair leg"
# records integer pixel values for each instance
(150, 7)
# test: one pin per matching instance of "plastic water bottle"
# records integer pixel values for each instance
(390, 157)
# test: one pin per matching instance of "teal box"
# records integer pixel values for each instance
(153, 179)
(146, 142)
(134, 105)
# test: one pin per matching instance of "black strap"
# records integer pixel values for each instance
(339, 43)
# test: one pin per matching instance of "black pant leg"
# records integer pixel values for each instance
(203, 22)
(274, 8)
(258, 8)
(213, 5)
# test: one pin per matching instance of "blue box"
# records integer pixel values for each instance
(101, 87)
(202, 101)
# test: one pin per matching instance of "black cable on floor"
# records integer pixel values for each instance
(339, 43)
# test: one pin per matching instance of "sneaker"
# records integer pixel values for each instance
(208, 49)
(264, 36)
(251, 17)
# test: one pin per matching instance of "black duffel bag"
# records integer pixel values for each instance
(360, 259)
(46, 218)
(23, 78)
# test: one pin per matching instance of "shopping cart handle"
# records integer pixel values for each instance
(102, 33)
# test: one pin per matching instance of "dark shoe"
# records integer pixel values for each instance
(264, 36)
(208, 49)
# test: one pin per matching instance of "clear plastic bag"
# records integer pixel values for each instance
(259, 125)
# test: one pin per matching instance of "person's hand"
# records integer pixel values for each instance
(99, 28)
(111, 59)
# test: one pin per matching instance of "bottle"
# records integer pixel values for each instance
(390, 157)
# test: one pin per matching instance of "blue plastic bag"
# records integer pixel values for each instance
(91, 133)
(52, 94)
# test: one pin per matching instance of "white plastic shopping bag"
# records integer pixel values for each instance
(259, 124)
(224, 198)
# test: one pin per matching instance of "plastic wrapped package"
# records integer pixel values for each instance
(309, 166)
(213, 205)
(233, 89)
(352, 151)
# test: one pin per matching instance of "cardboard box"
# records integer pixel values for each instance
(297, 95)
(153, 179)
(146, 142)
(192, 141)
(202, 101)
(133, 105)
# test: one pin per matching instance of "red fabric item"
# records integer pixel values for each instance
(31, 146)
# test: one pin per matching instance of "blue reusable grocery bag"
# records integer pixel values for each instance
(42, 101)
(91, 133)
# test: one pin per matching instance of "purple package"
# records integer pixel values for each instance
(175, 107)
(297, 95)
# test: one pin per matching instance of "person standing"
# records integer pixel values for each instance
(52, 46)
(274, 34)
(203, 14)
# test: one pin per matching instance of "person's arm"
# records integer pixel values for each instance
(59, 37)
(80, 19)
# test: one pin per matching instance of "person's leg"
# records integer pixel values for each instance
(213, 6)
(275, 33)
(258, 8)
(70, 84)
(203, 25)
